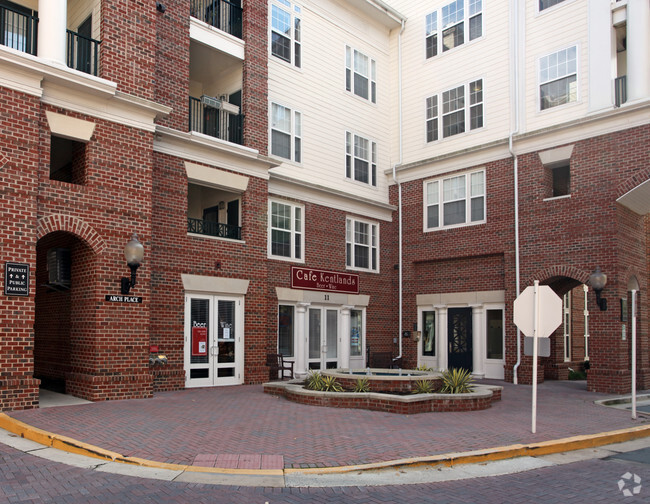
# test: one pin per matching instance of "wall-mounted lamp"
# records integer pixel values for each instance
(133, 253)
(160, 7)
(598, 280)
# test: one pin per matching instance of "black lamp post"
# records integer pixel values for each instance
(598, 280)
(133, 253)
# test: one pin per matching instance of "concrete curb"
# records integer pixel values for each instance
(70, 445)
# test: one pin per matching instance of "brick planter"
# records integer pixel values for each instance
(481, 398)
(388, 380)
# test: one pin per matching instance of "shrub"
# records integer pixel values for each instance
(314, 381)
(422, 367)
(362, 385)
(456, 381)
(330, 384)
(422, 387)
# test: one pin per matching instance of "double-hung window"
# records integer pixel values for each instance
(286, 133)
(362, 245)
(360, 159)
(286, 230)
(285, 32)
(558, 78)
(456, 112)
(360, 74)
(454, 201)
(452, 25)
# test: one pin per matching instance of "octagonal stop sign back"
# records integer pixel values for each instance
(549, 305)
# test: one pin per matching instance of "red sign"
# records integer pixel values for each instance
(199, 341)
(322, 280)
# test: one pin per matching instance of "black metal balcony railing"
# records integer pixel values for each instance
(224, 15)
(620, 90)
(210, 228)
(82, 53)
(215, 122)
(19, 30)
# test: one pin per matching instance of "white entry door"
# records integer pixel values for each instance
(214, 341)
(323, 338)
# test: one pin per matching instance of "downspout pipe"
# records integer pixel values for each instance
(513, 132)
(399, 187)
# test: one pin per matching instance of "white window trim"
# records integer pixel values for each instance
(539, 80)
(539, 12)
(349, 221)
(295, 12)
(468, 201)
(292, 231)
(372, 64)
(439, 29)
(372, 160)
(502, 307)
(293, 134)
(467, 108)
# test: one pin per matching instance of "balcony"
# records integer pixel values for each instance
(217, 118)
(19, 27)
(213, 212)
(221, 14)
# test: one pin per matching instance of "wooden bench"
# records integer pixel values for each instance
(382, 360)
(278, 367)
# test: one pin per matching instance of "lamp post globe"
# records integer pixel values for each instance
(134, 251)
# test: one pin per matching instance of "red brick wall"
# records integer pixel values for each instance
(173, 62)
(176, 253)
(255, 104)
(19, 162)
(128, 49)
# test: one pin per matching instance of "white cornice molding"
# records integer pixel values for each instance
(288, 187)
(70, 89)
(212, 152)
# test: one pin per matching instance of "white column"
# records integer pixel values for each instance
(442, 350)
(301, 338)
(601, 57)
(478, 341)
(52, 23)
(638, 49)
(344, 338)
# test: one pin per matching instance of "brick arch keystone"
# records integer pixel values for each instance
(559, 271)
(70, 224)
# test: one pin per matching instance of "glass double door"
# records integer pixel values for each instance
(213, 341)
(323, 336)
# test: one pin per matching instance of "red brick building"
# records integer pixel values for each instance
(287, 201)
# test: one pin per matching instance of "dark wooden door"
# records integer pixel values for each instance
(459, 338)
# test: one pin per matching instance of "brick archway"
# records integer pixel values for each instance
(632, 182)
(559, 271)
(69, 224)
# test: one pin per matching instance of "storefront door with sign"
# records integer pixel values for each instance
(213, 341)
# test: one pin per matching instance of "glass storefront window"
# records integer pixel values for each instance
(356, 332)
(285, 330)
(495, 334)
(429, 333)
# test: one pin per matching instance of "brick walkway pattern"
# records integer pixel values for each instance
(242, 421)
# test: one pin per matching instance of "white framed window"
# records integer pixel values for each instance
(545, 4)
(362, 244)
(286, 230)
(456, 114)
(286, 133)
(360, 74)
(452, 25)
(286, 32)
(360, 159)
(286, 325)
(454, 201)
(495, 334)
(558, 78)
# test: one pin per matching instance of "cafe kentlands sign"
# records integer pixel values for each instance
(322, 280)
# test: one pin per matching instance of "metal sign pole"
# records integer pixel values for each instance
(535, 336)
(634, 355)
